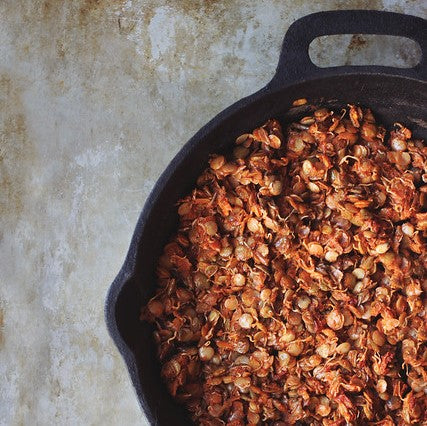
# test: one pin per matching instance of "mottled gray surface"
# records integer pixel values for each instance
(96, 98)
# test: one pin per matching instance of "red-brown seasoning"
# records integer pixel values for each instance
(294, 289)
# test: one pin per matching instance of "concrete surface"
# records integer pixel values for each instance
(96, 98)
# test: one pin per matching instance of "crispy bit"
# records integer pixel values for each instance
(293, 291)
(299, 102)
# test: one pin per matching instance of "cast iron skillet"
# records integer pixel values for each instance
(393, 94)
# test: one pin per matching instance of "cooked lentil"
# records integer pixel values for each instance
(294, 289)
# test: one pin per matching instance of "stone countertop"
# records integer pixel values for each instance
(97, 96)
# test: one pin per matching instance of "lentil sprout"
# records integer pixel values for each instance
(293, 291)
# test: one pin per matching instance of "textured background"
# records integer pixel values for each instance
(96, 97)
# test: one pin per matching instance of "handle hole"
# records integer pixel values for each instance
(367, 49)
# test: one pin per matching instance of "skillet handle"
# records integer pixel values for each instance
(295, 64)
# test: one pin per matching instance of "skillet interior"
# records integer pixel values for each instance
(392, 98)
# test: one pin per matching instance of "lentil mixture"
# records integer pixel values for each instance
(293, 291)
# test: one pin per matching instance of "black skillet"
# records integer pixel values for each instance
(394, 94)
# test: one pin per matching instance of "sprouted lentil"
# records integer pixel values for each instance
(294, 289)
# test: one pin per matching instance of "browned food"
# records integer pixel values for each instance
(294, 289)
